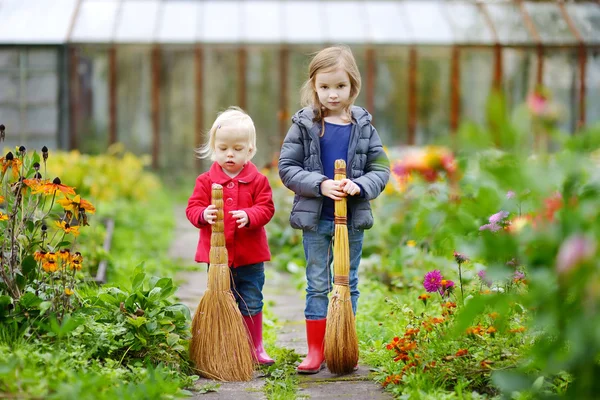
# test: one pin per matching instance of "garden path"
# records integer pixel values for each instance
(288, 308)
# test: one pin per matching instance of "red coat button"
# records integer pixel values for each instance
(229, 201)
(230, 185)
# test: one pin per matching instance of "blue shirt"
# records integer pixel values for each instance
(334, 146)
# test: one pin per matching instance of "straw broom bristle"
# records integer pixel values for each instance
(220, 346)
(341, 340)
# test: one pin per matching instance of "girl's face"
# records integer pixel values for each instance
(232, 150)
(333, 89)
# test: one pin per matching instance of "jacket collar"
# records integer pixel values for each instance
(247, 174)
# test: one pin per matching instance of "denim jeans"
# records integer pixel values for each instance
(247, 282)
(318, 249)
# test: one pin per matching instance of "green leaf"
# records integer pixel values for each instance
(29, 300)
(138, 282)
(45, 306)
(172, 339)
(137, 322)
(28, 266)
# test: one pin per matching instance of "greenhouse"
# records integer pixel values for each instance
(152, 74)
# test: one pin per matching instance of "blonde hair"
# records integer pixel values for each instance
(233, 117)
(326, 60)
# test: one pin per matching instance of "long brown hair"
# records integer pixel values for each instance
(327, 60)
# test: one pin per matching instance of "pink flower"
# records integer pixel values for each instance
(484, 279)
(490, 227)
(510, 194)
(498, 217)
(574, 250)
(433, 281)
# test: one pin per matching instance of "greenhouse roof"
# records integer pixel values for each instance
(434, 22)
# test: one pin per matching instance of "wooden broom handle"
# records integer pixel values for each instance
(340, 212)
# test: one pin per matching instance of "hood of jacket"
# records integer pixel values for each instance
(305, 116)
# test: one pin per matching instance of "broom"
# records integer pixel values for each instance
(341, 340)
(220, 346)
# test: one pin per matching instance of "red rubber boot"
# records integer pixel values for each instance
(254, 326)
(315, 335)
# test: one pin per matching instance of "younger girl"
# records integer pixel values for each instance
(330, 127)
(248, 207)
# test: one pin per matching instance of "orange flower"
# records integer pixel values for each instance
(68, 228)
(411, 332)
(10, 162)
(486, 364)
(51, 188)
(461, 352)
(3, 217)
(76, 261)
(64, 254)
(491, 331)
(76, 204)
(40, 255)
(494, 315)
(68, 292)
(520, 329)
(474, 330)
(50, 264)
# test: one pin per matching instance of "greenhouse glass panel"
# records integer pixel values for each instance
(9, 87)
(386, 23)
(93, 100)
(29, 95)
(560, 77)
(550, 24)
(303, 22)
(178, 22)
(221, 22)
(519, 75)
(299, 59)
(586, 17)
(262, 77)
(391, 100)
(509, 23)
(95, 21)
(9, 58)
(593, 88)
(428, 22)
(433, 94)
(468, 23)
(476, 76)
(137, 21)
(177, 110)
(41, 87)
(220, 81)
(263, 21)
(134, 125)
(36, 21)
(344, 21)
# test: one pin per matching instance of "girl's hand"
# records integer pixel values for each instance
(241, 217)
(210, 214)
(331, 189)
(347, 186)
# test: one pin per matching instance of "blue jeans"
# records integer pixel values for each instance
(318, 249)
(247, 282)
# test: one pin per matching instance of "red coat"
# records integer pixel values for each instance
(249, 191)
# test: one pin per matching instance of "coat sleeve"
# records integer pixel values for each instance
(291, 166)
(377, 168)
(198, 201)
(263, 208)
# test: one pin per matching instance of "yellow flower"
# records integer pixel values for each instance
(50, 265)
(68, 292)
(75, 204)
(1, 199)
(64, 254)
(411, 243)
(68, 228)
(40, 255)
(76, 261)
(3, 217)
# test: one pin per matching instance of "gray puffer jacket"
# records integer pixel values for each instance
(301, 171)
